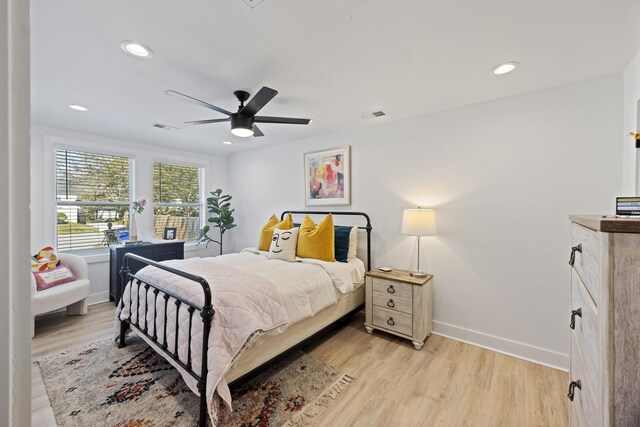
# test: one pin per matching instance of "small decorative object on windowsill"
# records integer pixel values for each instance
(220, 206)
(170, 233)
(136, 208)
(419, 222)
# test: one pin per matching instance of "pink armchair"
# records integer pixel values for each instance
(72, 295)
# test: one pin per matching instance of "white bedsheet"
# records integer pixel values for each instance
(306, 286)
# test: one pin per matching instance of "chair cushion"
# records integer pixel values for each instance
(53, 277)
(45, 259)
(59, 296)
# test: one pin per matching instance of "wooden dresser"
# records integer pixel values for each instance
(604, 372)
(399, 304)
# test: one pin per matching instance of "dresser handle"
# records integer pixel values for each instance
(572, 258)
(391, 290)
(574, 313)
(572, 388)
(391, 322)
(390, 303)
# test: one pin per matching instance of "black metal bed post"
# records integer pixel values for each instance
(206, 313)
(124, 325)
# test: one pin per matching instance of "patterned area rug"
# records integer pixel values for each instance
(101, 385)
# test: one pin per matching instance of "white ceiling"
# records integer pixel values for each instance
(330, 60)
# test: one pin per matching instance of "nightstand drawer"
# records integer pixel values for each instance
(396, 289)
(392, 302)
(393, 320)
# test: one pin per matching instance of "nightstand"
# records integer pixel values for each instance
(399, 304)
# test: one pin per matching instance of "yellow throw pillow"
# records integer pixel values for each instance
(266, 234)
(317, 241)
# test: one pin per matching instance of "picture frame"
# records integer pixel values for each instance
(170, 233)
(327, 177)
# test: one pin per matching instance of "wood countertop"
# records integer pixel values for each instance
(402, 276)
(608, 224)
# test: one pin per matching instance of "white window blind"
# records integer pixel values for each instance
(92, 194)
(176, 199)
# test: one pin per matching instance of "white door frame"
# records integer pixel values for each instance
(15, 290)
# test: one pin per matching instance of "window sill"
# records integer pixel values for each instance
(102, 255)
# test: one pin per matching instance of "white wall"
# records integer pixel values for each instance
(631, 156)
(43, 223)
(15, 343)
(503, 176)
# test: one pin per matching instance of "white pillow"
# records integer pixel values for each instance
(353, 243)
(283, 244)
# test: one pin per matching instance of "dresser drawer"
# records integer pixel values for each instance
(392, 302)
(396, 289)
(586, 411)
(585, 332)
(587, 262)
(393, 320)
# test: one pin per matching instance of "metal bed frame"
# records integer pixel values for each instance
(206, 311)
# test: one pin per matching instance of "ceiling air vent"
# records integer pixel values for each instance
(164, 126)
(373, 114)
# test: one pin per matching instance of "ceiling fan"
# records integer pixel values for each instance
(243, 122)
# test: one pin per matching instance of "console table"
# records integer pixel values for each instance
(156, 251)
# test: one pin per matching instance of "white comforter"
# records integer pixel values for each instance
(272, 293)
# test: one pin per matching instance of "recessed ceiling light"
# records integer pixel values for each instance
(505, 68)
(227, 142)
(136, 49)
(78, 107)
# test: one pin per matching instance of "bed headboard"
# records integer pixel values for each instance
(367, 227)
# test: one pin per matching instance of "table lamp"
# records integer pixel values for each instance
(419, 222)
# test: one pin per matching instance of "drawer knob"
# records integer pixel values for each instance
(391, 304)
(572, 257)
(572, 388)
(574, 313)
(391, 322)
(391, 290)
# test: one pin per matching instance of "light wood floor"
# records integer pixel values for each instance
(447, 383)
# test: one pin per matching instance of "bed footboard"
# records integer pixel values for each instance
(206, 314)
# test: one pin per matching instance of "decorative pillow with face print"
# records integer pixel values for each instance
(283, 244)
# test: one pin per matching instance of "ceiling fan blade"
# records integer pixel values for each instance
(258, 101)
(196, 101)
(206, 122)
(257, 131)
(285, 120)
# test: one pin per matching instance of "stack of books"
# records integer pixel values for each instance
(628, 206)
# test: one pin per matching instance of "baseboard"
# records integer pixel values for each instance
(520, 350)
(98, 298)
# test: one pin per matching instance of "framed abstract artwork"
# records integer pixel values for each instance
(327, 176)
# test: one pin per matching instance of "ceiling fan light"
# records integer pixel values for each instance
(242, 131)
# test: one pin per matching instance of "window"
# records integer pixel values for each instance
(176, 200)
(92, 196)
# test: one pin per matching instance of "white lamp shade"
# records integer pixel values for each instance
(419, 222)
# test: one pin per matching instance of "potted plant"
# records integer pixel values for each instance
(219, 205)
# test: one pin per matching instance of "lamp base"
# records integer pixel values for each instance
(418, 274)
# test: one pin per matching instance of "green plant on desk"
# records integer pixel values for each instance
(219, 205)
